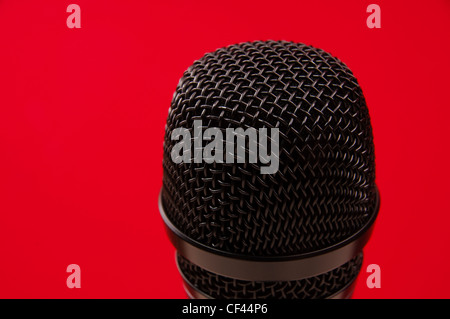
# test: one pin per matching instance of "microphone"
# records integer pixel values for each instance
(269, 174)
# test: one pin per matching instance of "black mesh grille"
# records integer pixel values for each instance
(324, 189)
(319, 287)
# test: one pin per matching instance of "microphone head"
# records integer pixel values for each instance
(323, 190)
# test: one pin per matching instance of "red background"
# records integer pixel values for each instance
(82, 115)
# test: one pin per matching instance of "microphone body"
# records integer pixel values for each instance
(269, 174)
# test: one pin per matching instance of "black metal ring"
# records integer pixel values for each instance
(283, 268)
(193, 292)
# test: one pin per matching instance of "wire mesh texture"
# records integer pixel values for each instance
(324, 190)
